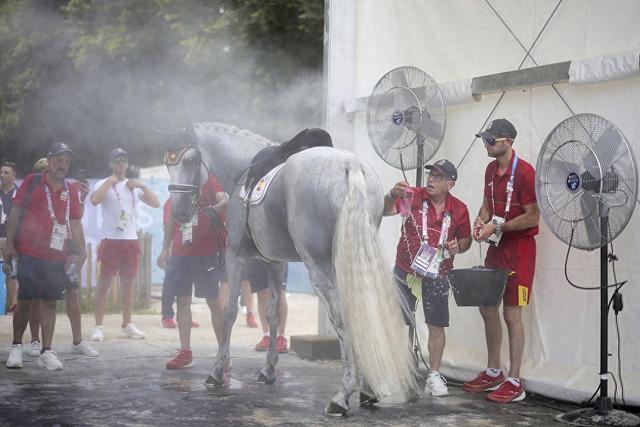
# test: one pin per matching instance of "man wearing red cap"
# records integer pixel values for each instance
(435, 228)
(508, 221)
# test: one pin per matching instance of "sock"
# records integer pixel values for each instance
(44, 349)
(492, 372)
(514, 381)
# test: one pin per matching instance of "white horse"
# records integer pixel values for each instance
(323, 208)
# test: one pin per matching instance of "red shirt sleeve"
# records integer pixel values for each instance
(464, 224)
(166, 211)
(527, 189)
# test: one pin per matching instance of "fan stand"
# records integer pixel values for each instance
(602, 413)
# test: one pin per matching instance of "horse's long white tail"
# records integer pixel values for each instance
(368, 297)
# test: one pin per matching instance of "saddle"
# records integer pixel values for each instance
(267, 159)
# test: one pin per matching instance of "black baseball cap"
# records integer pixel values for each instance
(59, 148)
(117, 152)
(446, 168)
(499, 128)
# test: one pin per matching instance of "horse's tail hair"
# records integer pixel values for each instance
(369, 300)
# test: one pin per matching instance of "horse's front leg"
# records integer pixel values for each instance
(234, 276)
(339, 404)
(275, 279)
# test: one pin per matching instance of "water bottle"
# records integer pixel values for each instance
(71, 270)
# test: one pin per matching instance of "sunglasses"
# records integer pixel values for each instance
(489, 140)
(8, 164)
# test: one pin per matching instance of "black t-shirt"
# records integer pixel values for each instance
(6, 202)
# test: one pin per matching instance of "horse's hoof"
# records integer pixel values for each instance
(367, 400)
(334, 410)
(266, 379)
(212, 381)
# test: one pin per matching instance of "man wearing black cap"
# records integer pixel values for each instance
(508, 220)
(435, 227)
(118, 250)
(43, 219)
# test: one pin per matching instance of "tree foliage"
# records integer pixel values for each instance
(101, 74)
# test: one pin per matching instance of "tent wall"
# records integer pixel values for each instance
(461, 39)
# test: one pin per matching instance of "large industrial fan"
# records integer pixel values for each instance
(406, 118)
(587, 185)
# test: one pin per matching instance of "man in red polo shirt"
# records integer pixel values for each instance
(48, 217)
(435, 227)
(193, 254)
(508, 220)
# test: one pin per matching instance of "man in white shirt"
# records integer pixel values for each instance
(118, 251)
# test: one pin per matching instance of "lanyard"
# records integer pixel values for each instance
(50, 203)
(507, 207)
(444, 230)
(133, 198)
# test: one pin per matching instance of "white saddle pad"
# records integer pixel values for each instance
(260, 189)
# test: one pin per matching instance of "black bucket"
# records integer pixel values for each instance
(478, 286)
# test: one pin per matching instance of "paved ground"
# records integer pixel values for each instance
(128, 384)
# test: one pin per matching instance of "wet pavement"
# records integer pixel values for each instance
(129, 385)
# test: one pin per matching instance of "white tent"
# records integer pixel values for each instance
(455, 41)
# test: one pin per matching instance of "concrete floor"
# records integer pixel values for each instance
(129, 385)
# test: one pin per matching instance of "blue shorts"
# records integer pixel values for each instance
(41, 279)
(435, 298)
(183, 272)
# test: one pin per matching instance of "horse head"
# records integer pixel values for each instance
(187, 173)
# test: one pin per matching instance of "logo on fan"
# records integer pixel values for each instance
(573, 181)
(398, 117)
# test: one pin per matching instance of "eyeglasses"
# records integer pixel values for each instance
(8, 164)
(120, 160)
(437, 177)
(491, 141)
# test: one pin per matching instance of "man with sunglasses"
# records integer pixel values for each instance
(8, 190)
(435, 228)
(118, 251)
(508, 221)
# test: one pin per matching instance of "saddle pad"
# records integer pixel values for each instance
(260, 189)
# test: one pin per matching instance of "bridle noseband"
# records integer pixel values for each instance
(173, 158)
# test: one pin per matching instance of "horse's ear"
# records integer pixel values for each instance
(189, 134)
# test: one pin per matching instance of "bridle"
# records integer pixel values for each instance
(174, 157)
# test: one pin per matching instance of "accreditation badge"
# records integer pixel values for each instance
(58, 236)
(186, 230)
(123, 220)
(426, 262)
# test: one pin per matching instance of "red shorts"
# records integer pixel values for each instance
(118, 255)
(519, 257)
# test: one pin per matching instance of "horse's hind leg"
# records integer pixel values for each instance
(234, 276)
(339, 404)
(275, 279)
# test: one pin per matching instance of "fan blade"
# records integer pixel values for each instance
(430, 128)
(391, 135)
(402, 100)
(591, 221)
(399, 77)
(609, 148)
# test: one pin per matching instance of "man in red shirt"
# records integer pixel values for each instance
(435, 227)
(193, 254)
(508, 220)
(48, 218)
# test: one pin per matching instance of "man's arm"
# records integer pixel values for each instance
(77, 234)
(11, 224)
(484, 215)
(528, 219)
(168, 228)
(391, 196)
(100, 194)
(147, 195)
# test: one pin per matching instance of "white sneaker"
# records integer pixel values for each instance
(436, 385)
(34, 349)
(14, 361)
(85, 349)
(130, 331)
(98, 333)
(49, 360)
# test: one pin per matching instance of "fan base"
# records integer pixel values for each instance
(591, 417)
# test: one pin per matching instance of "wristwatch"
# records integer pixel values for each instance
(498, 228)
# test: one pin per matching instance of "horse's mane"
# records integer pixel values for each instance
(235, 131)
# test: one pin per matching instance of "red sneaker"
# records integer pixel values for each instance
(281, 344)
(483, 382)
(184, 359)
(507, 392)
(169, 323)
(251, 321)
(263, 344)
(195, 324)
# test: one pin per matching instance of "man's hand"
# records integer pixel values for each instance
(452, 247)
(485, 231)
(398, 189)
(112, 180)
(162, 259)
(9, 252)
(83, 189)
(477, 226)
(134, 183)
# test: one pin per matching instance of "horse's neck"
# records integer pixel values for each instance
(228, 158)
